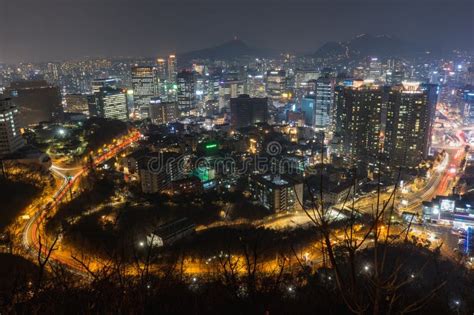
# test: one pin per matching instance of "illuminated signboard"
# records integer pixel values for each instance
(211, 145)
(447, 205)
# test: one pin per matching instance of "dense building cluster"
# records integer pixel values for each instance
(307, 116)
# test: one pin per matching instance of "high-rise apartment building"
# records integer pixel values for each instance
(410, 114)
(10, 137)
(53, 73)
(158, 171)
(359, 120)
(247, 111)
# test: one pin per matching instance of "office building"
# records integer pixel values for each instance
(302, 77)
(410, 115)
(161, 69)
(276, 84)
(163, 112)
(96, 84)
(161, 76)
(144, 88)
(374, 72)
(229, 88)
(307, 108)
(10, 137)
(186, 93)
(323, 106)
(172, 68)
(37, 101)
(247, 111)
(110, 103)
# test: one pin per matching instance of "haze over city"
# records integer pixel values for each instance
(54, 30)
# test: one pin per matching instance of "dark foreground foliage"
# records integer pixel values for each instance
(297, 290)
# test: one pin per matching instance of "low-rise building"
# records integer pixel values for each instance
(454, 211)
(333, 192)
(277, 193)
(168, 233)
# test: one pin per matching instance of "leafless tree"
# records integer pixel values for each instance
(365, 285)
(44, 253)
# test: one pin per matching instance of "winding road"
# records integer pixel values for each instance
(33, 231)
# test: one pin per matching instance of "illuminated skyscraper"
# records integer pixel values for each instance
(172, 68)
(359, 121)
(111, 103)
(10, 137)
(324, 99)
(186, 92)
(161, 78)
(144, 88)
(161, 69)
(307, 108)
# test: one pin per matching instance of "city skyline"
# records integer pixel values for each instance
(236, 157)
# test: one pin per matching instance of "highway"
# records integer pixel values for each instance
(34, 227)
(439, 183)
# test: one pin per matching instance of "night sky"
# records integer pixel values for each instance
(42, 30)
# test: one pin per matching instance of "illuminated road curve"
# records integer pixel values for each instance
(34, 227)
